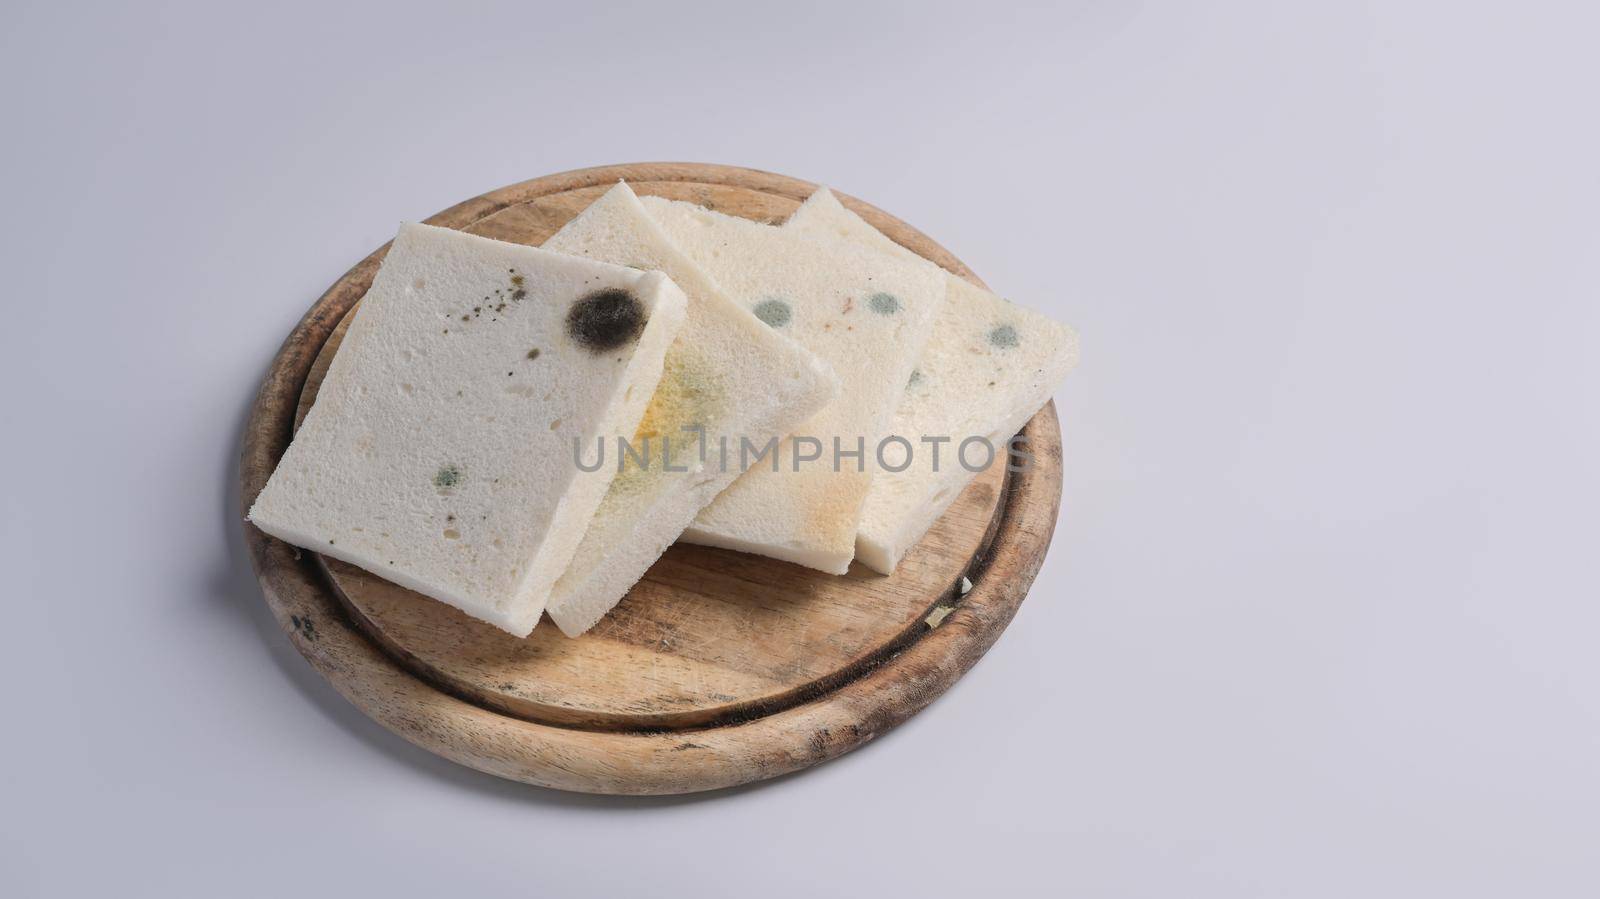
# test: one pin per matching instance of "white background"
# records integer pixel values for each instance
(1320, 617)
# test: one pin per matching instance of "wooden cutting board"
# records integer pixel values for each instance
(719, 668)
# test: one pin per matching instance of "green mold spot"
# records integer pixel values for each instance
(448, 476)
(883, 303)
(1004, 337)
(916, 378)
(774, 312)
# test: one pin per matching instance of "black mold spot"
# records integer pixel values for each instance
(605, 320)
(304, 626)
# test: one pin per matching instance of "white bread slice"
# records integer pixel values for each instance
(440, 451)
(726, 373)
(868, 316)
(988, 368)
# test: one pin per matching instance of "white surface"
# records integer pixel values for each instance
(1320, 616)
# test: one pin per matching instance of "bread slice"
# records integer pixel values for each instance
(440, 451)
(726, 374)
(865, 314)
(990, 365)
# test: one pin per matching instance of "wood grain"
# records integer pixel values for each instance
(719, 668)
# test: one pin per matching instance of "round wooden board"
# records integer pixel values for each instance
(719, 668)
